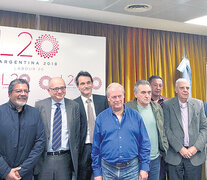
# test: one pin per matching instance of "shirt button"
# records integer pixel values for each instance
(120, 137)
(120, 156)
(120, 146)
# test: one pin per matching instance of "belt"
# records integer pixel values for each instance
(122, 164)
(57, 153)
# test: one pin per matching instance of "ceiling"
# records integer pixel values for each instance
(165, 14)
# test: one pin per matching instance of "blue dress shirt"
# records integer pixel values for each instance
(116, 142)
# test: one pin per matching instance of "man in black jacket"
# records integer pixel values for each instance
(87, 101)
(22, 134)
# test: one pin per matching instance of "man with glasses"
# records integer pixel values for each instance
(61, 118)
(22, 135)
(97, 103)
(186, 129)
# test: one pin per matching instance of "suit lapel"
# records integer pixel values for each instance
(82, 108)
(95, 101)
(191, 111)
(176, 108)
(48, 109)
(69, 115)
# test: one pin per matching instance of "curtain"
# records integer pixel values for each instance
(133, 54)
(14, 19)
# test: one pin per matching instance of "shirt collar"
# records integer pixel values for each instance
(125, 107)
(84, 98)
(183, 105)
(62, 102)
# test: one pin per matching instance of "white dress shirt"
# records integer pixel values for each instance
(84, 99)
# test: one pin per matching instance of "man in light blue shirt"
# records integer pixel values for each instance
(61, 117)
(121, 145)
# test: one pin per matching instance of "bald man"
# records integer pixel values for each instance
(61, 118)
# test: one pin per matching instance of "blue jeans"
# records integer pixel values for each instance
(128, 172)
(154, 172)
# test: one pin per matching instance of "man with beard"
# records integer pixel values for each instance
(22, 134)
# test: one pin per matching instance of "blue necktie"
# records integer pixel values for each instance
(57, 128)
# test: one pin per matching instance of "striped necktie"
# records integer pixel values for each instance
(57, 128)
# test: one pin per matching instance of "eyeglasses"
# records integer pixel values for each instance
(58, 88)
(19, 91)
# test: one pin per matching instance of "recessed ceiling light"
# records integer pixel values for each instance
(199, 21)
(138, 7)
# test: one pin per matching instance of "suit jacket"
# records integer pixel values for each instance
(205, 108)
(158, 113)
(197, 129)
(73, 123)
(20, 148)
(100, 104)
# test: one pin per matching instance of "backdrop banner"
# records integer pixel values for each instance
(40, 55)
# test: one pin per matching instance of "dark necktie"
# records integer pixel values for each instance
(91, 119)
(57, 128)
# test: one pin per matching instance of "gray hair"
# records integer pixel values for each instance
(180, 80)
(140, 82)
(17, 81)
(113, 85)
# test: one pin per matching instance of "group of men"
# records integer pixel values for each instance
(84, 138)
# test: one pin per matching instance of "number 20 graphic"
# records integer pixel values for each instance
(26, 46)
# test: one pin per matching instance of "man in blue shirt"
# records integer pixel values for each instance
(121, 146)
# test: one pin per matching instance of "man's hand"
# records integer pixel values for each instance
(185, 153)
(193, 150)
(143, 175)
(14, 174)
(98, 178)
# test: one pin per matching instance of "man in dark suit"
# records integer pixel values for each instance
(62, 148)
(98, 103)
(186, 130)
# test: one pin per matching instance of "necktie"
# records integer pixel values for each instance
(91, 119)
(57, 128)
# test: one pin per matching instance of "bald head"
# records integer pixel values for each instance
(57, 89)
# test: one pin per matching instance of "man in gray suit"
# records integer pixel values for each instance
(186, 130)
(62, 148)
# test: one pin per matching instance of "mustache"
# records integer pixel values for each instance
(22, 97)
(86, 88)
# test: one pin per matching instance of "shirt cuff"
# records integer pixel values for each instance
(144, 166)
(97, 172)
